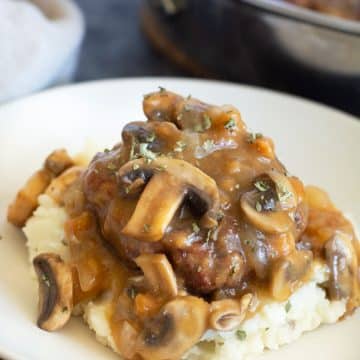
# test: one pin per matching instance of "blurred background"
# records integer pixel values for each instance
(309, 48)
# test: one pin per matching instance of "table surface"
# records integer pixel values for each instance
(115, 46)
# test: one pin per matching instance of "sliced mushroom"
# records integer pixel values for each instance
(171, 181)
(55, 291)
(26, 199)
(58, 161)
(343, 263)
(58, 186)
(158, 273)
(126, 340)
(288, 272)
(177, 327)
(267, 206)
(160, 105)
(227, 314)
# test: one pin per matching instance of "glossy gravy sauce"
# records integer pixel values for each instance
(242, 225)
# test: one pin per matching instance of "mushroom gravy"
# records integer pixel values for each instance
(191, 223)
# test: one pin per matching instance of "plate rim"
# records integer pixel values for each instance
(103, 82)
(10, 354)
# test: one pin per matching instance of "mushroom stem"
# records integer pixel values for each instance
(170, 181)
(177, 327)
(55, 291)
(158, 273)
(227, 314)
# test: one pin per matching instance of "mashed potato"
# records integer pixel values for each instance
(273, 325)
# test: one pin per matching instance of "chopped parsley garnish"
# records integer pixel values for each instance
(261, 185)
(132, 292)
(180, 146)
(146, 153)
(247, 242)
(46, 280)
(288, 306)
(252, 137)
(162, 89)
(111, 166)
(230, 125)
(150, 137)
(161, 167)
(258, 206)
(146, 228)
(208, 145)
(195, 227)
(132, 155)
(204, 124)
(207, 122)
(241, 335)
(106, 151)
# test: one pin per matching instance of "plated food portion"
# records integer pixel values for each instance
(187, 239)
(348, 9)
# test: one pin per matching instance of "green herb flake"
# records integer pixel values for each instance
(195, 227)
(258, 206)
(146, 228)
(247, 242)
(111, 166)
(132, 155)
(207, 122)
(180, 146)
(188, 97)
(208, 145)
(267, 329)
(161, 89)
(288, 306)
(261, 185)
(161, 167)
(230, 125)
(150, 137)
(46, 280)
(132, 293)
(64, 242)
(146, 153)
(241, 335)
(106, 151)
(252, 137)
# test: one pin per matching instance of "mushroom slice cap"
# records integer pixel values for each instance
(227, 314)
(285, 190)
(55, 291)
(268, 221)
(158, 273)
(288, 272)
(343, 263)
(170, 181)
(178, 326)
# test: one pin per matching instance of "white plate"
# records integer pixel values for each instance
(319, 144)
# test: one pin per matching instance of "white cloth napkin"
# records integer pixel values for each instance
(39, 43)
